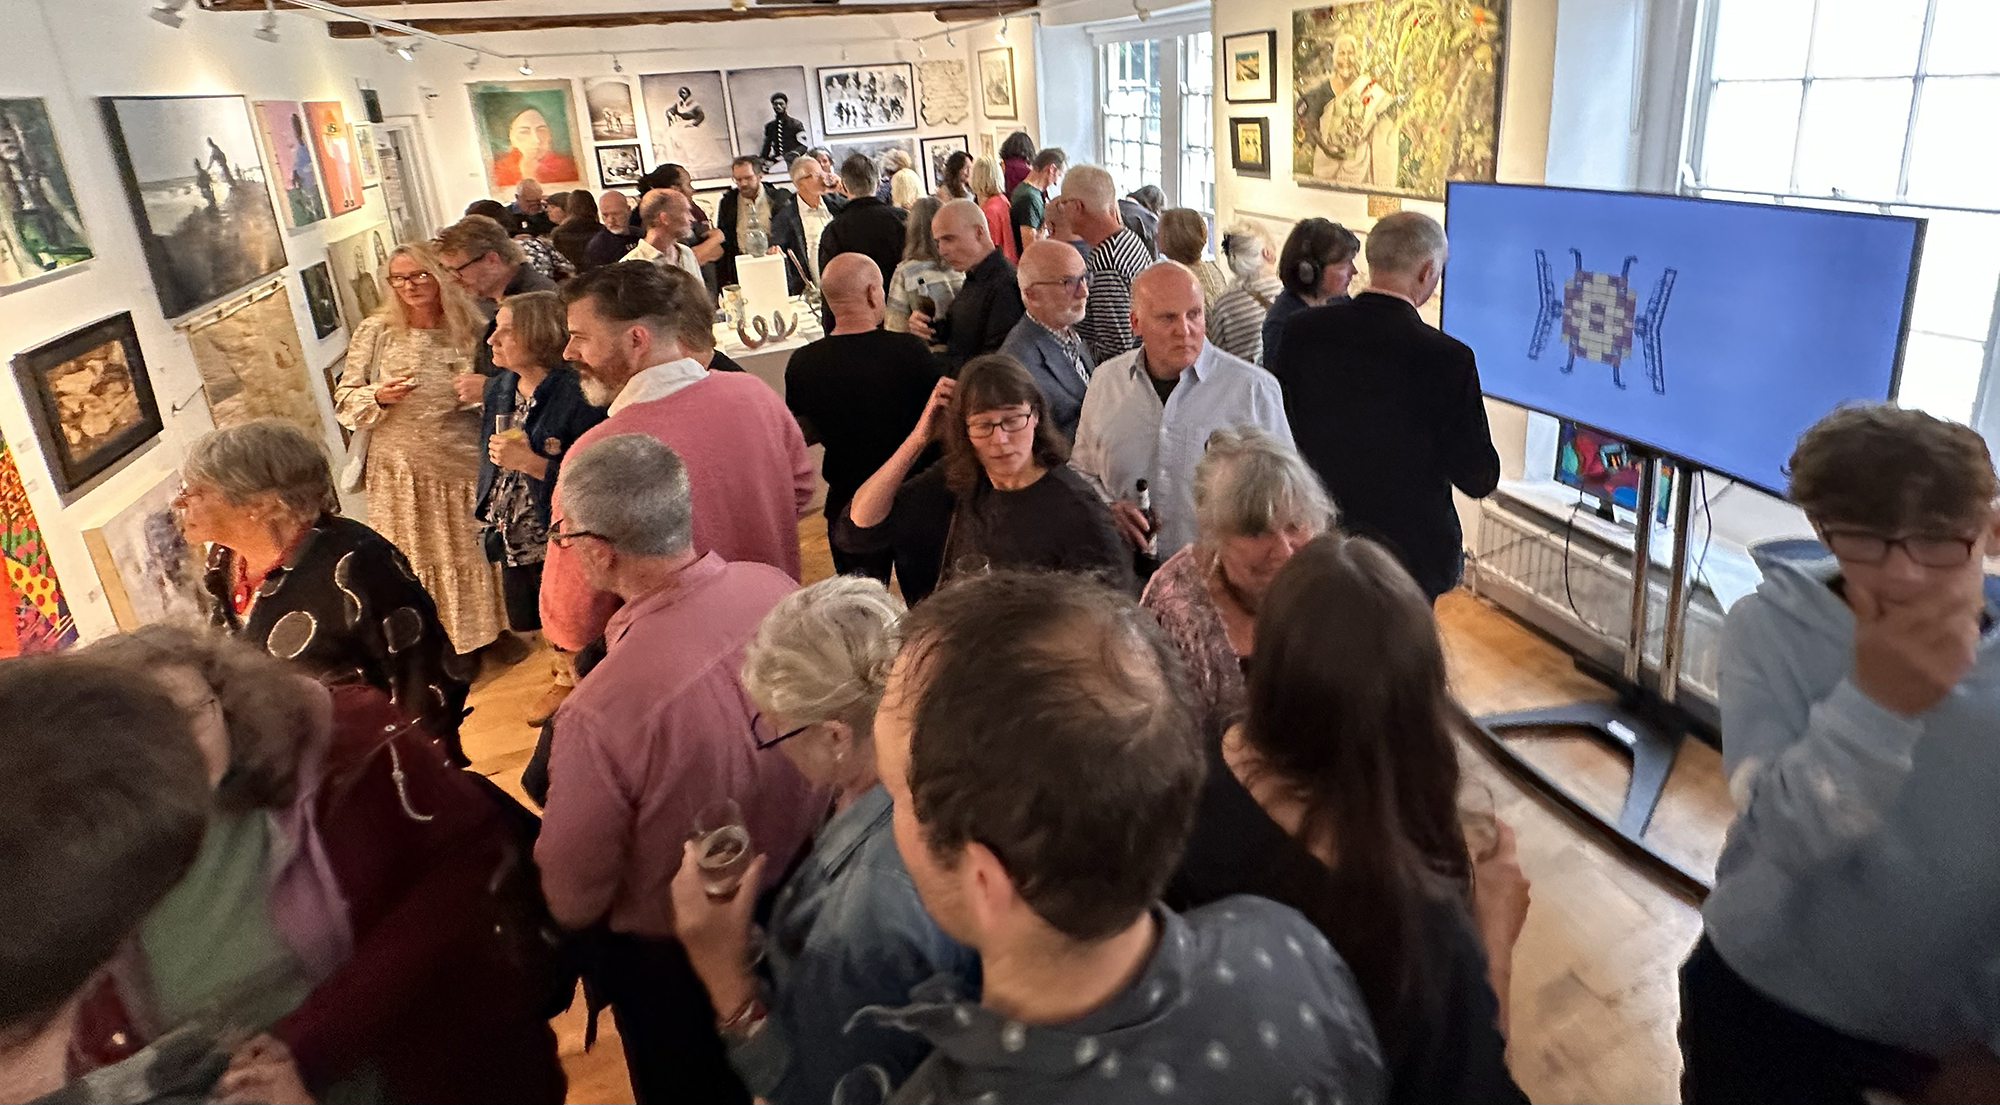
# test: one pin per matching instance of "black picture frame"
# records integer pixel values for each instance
(1261, 88)
(317, 280)
(71, 464)
(844, 110)
(1246, 161)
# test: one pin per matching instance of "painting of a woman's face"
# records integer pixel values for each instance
(530, 134)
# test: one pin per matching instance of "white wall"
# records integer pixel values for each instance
(109, 47)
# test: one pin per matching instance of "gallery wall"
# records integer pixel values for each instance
(109, 48)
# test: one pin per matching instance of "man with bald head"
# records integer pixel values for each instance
(667, 217)
(1148, 413)
(858, 391)
(989, 304)
(1056, 290)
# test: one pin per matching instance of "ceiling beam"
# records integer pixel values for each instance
(258, 5)
(956, 11)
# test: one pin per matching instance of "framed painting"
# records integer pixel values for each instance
(1396, 96)
(371, 158)
(1249, 68)
(360, 272)
(618, 166)
(324, 306)
(937, 151)
(339, 160)
(986, 146)
(1250, 145)
(996, 83)
(689, 121)
(857, 99)
(947, 97)
(874, 148)
(197, 187)
(149, 571)
(42, 231)
(609, 100)
(527, 129)
(34, 616)
(769, 109)
(252, 365)
(90, 399)
(288, 145)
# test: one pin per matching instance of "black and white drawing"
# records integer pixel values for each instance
(857, 99)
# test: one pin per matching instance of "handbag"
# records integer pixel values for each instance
(354, 470)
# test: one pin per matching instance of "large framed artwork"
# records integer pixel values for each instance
(769, 110)
(360, 272)
(34, 616)
(147, 568)
(857, 99)
(1250, 145)
(874, 148)
(947, 94)
(1396, 96)
(996, 83)
(618, 166)
(324, 306)
(252, 367)
(40, 229)
(527, 129)
(937, 151)
(610, 102)
(339, 160)
(197, 188)
(90, 399)
(689, 121)
(288, 145)
(1250, 68)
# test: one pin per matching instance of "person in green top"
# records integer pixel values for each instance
(1031, 198)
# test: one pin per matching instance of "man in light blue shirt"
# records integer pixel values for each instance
(1147, 414)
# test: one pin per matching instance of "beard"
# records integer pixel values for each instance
(595, 391)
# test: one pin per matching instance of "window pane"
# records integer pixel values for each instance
(1954, 158)
(1867, 38)
(1941, 375)
(1851, 139)
(1748, 141)
(1965, 38)
(1961, 270)
(1761, 38)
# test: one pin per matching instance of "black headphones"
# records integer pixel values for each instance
(1309, 272)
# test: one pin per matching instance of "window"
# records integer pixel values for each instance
(1197, 175)
(1132, 113)
(1872, 105)
(1158, 95)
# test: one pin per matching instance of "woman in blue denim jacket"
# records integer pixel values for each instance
(846, 930)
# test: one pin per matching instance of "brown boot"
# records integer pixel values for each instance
(545, 706)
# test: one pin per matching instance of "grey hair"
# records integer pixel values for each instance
(805, 162)
(823, 653)
(1402, 242)
(631, 490)
(1249, 483)
(261, 457)
(1244, 243)
(1093, 186)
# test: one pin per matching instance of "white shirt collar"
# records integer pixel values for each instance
(658, 382)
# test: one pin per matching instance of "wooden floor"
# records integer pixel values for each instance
(1594, 1003)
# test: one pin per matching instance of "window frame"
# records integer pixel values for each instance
(1173, 94)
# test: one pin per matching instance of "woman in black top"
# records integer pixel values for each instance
(1004, 497)
(1338, 795)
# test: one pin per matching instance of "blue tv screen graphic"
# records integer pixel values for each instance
(1705, 329)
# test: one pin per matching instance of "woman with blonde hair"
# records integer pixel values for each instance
(905, 188)
(987, 193)
(424, 447)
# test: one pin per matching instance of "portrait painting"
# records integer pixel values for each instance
(937, 151)
(289, 149)
(321, 302)
(1396, 96)
(339, 160)
(769, 109)
(527, 129)
(1250, 146)
(609, 100)
(149, 572)
(689, 121)
(947, 94)
(856, 99)
(996, 83)
(197, 187)
(34, 615)
(40, 229)
(1249, 68)
(90, 399)
(252, 367)
(618, 166)
(360, 265)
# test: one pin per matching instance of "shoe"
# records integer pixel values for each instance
(545, 706)
(506, 650)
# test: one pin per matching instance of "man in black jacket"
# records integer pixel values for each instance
(867, 224)
(771, 209)
(985, 310)
(1387, 409)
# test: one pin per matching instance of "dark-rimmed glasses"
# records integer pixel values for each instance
(1013, 424)
(1928, 550)
(410, 280)
(777, 740)
(1070, 284)
(561, 538)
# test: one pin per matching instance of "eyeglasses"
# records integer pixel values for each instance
(561, 538)
(1070, 284)
(467, 265)
(777, 740)
(411, 280)
(1013, 424)
(1863, 547)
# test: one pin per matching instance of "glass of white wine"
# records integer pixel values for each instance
(722, 848)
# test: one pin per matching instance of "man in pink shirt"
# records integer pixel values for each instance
(630, 328)
(658, 731)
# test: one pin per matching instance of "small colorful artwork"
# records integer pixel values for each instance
(282, 123)
(149, 571)
(34, 616)
(40, 229)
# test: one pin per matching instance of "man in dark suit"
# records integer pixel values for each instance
(772, 209)
(1055, 290)
(867, 224)
(1387, 409)
(985, 310)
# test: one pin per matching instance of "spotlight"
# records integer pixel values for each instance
(948, 40)
(1144, 12)
(527, 67)
(473, 62)
(843, 55)
(407, 51)
(920, 49)
(616, 65)
(1001, 34)
(268, 29)
(169, 12)
(739, 5)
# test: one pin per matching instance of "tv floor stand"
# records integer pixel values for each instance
(1644, 723)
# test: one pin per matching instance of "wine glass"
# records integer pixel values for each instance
(722, 848)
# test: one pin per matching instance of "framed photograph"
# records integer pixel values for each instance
(769, 109)
(196, 184)
(857, 99)
(1250, 145)
(317, 280)
(1250, 68)
(618, 166)
(610, 102)
(90, 399)
(527, 129)
(937, 151)
(689, 121)
(996, 83)
(874, 148)
(45, 232)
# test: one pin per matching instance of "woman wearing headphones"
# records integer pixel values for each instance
(1316, 266)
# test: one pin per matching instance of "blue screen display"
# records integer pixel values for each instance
(1705, 329)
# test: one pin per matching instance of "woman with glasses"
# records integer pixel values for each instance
(846, 930)
(424, 446)
(1004, 496)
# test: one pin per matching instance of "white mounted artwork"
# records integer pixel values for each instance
(947, 93)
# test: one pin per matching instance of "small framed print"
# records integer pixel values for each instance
(1250, 146)
(618, 166)
(1250, 68)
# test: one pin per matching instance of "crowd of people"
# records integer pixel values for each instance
(1141, 784)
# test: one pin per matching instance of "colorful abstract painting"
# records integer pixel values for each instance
(339, 157)
(33, 614)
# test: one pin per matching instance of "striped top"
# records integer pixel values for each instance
(1236, 323)
(1107, 322)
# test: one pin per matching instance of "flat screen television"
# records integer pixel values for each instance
(1707, 330)
(1605, 468)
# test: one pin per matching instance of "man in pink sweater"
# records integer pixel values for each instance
(747, 465)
